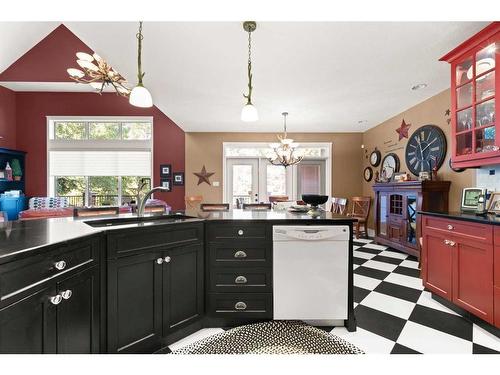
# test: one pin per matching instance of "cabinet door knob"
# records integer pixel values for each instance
(60, 265)
(240, 232)
(167, 259)
(240, 306)
(451, 243)
(67, 294)
(240, 254)
(56, 300)
(241, 280)
(159, 260)
(450, 227)
(446, 242)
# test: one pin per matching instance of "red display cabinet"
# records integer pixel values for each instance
(475, 134)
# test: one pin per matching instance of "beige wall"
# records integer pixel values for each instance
(431, 111)
(206, 149)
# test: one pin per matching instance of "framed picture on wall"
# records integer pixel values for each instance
(165, 170)
(178, 179)
(166, 183)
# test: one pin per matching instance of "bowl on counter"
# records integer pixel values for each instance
(314, 200)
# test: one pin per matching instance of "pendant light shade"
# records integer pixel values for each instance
(140, 96)
(249, 113)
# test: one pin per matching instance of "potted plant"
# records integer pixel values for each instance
(17, 172)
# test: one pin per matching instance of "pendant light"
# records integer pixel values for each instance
(249, 112)
(286, 152)
(140, 96)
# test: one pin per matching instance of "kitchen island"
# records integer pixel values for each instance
(129, 285)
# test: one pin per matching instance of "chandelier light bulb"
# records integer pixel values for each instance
(249, 113)
(84, 56)
(141, 97)
(75, 73)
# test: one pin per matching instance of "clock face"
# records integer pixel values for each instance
(375, 158)
(426, 149)
(390, 165)
(368, 174)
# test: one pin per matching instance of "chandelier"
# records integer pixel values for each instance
(96, 72)
(249, 112)
(286, 152)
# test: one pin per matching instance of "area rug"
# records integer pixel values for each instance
(274, 337)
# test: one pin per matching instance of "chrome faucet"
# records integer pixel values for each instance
(142, 204)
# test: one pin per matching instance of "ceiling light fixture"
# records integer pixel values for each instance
(286, 151)
(249, 112)
(419, 86)
(140, 96)
(96, 72)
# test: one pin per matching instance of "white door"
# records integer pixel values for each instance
(311, 176)
(242, 180)
(274, 180)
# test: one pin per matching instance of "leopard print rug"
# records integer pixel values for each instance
(274, 337)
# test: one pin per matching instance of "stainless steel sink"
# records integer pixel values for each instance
(137, 220)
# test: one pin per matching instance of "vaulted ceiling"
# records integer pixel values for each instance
(328, 76)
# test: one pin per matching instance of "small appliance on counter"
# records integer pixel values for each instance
(474, 200)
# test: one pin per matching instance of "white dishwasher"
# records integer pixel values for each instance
(310, 273)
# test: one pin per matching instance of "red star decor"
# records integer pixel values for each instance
(203, 176)
(403, 130)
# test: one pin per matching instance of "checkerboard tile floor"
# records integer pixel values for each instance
(395, 314)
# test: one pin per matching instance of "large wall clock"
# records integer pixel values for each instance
(426, 149)
(375, 157)
(390, 165)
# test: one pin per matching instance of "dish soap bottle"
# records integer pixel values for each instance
(8, 172)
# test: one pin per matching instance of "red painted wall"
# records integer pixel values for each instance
(7, 118)
(33, 107)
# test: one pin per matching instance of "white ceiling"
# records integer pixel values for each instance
(328, 76)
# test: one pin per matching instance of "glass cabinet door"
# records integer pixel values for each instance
(382, 227)
(411, 219)
(475, 115)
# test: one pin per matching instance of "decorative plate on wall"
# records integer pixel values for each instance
(368, 174)
(375, 158)
(390, 165)
(425, 149)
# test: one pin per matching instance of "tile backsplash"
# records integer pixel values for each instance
(488, 177)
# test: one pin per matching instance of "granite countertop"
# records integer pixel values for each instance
(17, 238)
(487, 219)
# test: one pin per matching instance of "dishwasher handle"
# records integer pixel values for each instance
(314, 234)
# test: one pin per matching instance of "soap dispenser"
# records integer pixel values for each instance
(8, 172)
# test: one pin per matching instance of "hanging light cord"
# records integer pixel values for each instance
(250, 87)
(284, 122)
(139, 36)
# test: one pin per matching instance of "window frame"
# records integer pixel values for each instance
(88, 144)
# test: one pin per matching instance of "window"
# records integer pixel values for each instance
(250, 177)
(99, 162)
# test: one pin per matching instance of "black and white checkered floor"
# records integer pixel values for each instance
(394, 313)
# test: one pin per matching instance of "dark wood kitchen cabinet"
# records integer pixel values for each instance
(155, 292)
(397, 222)
(49, 310)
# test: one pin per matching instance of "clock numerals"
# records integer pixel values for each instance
(426, 149)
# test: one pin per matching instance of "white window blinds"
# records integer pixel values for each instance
(100, 163)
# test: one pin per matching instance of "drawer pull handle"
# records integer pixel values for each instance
(67, 294)
(159, 260)
(451, 243)
(446, 242)
(60, 265)
(240, 254)
(450, 227)
(168, 259)
(240, 306)
(56, 300)
(241, 280)
(240, 232)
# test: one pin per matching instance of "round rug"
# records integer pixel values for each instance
(274, 337)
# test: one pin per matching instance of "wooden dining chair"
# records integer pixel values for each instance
(214, 206)
(193, 201)
(360, 210)
(256, 206)
(339, 205)
(278, 198)
(95, 211)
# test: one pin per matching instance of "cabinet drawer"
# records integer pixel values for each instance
(231, 254)
(237, 280)
(19, 275)
(233, 230)
(125, 242)
(465, 229)
(234, 305)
